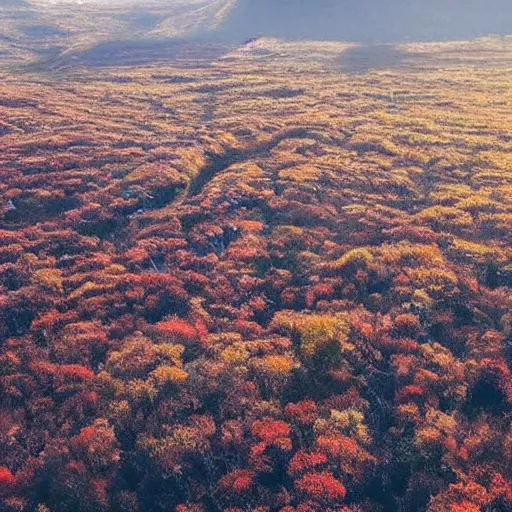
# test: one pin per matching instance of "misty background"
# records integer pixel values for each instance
(56, 34)
(351, 20)
(370, 20)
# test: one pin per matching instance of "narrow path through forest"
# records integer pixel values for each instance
(220, 163)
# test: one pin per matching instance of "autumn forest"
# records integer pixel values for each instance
(273, 276)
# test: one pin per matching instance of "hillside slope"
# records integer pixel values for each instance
(35, 31)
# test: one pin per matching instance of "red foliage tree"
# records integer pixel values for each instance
(322, 486)
(304, 412)
(306, 461)
(237, 482)
(7, 479)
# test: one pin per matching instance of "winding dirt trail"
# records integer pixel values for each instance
(220, 163)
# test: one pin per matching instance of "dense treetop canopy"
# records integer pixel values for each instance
(276, 280)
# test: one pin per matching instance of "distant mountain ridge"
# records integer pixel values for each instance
(57, 33)
(368, 20)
